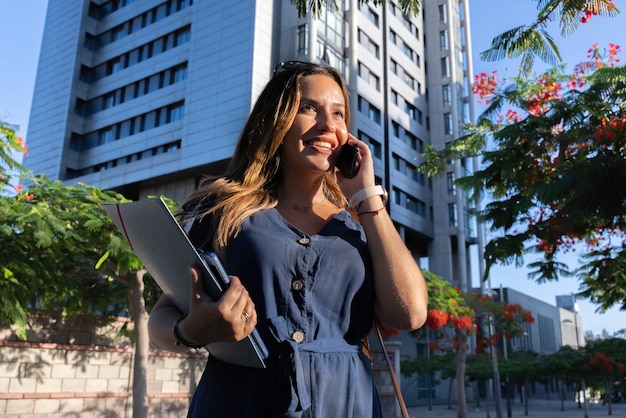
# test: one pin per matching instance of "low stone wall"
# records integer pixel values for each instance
(80, 368)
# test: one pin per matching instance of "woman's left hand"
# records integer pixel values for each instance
(365, 176)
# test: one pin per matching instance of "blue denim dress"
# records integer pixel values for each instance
(314, 296)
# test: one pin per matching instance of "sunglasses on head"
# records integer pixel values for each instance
(292, 66)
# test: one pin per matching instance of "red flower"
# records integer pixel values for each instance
(436, 319)
(591, 9)
(484, 86)
(22, 143)
(462, 322)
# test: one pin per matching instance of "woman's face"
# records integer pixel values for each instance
(318, 128)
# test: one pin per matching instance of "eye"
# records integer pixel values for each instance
(340, 113)
(307, 107)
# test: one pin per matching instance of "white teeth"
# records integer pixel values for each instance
(321, 144)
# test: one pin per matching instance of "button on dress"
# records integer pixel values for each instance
(314, 296)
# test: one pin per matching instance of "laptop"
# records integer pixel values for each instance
(158, 240)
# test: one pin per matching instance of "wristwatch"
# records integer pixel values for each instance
(363, 194)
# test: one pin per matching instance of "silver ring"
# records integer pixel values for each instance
(245, 315)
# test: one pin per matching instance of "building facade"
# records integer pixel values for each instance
(544, 336)
(147, 96)
(572, 331)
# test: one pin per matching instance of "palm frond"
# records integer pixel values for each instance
(500, 44)
(524, 42)
(314, 6)
(570, 17)
(411, 7)
(548, 270)
(408, 7)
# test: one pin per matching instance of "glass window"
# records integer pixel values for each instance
(179, 74)
(443, 13)
(331, 24)
(408, 51)
(370, 45)
(447, 122)
(108, 100)
(105, 136)
(182, 36)
(394, 97)
(302, 40)
(446, 95)
(372, 16)
(408, 79)
(413, 112)
(367, 75)
(444, 43)
(372, 112)
(175, 112)
(452, 216)
(118, 33)
(393, 66)
(445, 67)
(450, 179)
(375, 146)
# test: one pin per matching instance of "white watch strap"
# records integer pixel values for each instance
(361, 195)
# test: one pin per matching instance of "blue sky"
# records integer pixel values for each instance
(22, 29)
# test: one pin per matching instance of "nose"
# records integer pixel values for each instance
(326, 122)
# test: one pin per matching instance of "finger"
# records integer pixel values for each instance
(249, 314)
(232, 293)
(240, 304)
(354, 141)
(253, 318)
(364, 149)
(197, 290)
(236, 302)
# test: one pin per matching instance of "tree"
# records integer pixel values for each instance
(11, 310)
(454, 316)
(450, 322)
(52, 238)
(553, 171)
(10, 143)
(606, 360)
(528, 42)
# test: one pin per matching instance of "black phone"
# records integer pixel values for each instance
(347, 160)
(216, 270)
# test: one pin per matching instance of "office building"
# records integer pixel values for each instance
(572, 331)
(146, 96)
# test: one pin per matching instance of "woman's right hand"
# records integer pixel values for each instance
(207, 321)
(231, 318)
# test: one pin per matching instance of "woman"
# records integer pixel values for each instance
(314, 258)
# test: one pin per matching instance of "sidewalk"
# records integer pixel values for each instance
(536, 409)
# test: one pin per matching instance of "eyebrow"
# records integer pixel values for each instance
(315, 102)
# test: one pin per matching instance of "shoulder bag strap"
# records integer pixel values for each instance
(394, 379)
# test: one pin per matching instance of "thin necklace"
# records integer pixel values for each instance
(303, 208)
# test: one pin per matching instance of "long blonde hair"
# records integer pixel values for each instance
(252, 180)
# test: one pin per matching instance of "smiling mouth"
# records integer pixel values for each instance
(320, 144)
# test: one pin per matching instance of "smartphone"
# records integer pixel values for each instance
(347, 160)
(219, 280)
